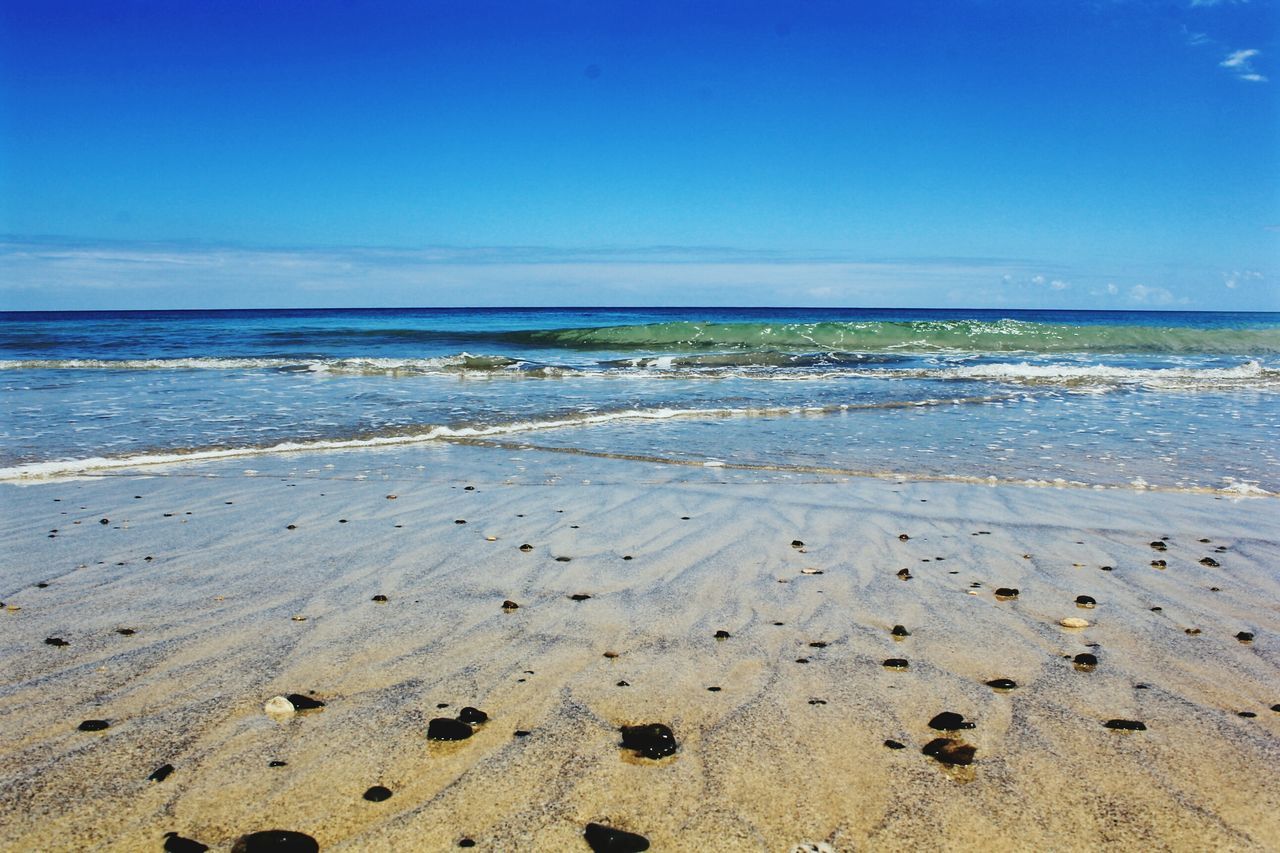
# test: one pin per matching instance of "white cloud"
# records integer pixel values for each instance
(1235, 278)
(1148, 295)
(1239, 59)
(1241, 62)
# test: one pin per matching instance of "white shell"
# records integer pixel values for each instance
(278, 706)
(1074, 622)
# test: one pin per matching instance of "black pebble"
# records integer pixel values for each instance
(1159, 546)
(651, 740)
(802, 660)
(902, 537)
(579, 596)
(949, 721)
(722, 635)
(276, 841)
(904, 574)
(796, 543)
(627, 557)
(1243, 636)
(161, 773)
(1276, 707)
(55, 641)
(468, 488)
(606, 839)
(521, 733)
(466, 842)
(127, 632)
(42, 585)
(948, 751)
(277, 764)
(895, 663)
(526, 547)
(510, 605)
(377, 794)
(442, 704)
(1246, 714)
(445, 728)
(291, 527)
(818, 645)
(1085, 601)
(380, 598)
(104, 521)
(893, 744)
(459, 521)
(900, 631)
(624, 684)
(1085, 660)
(175, 843)
(717, 690)
(1006, 592)
(1156, 609)
(93, 725)
(1126, 725)
(474, 716)
(304, 703)
(562, 559)
(1002, 683)
(1210, 562)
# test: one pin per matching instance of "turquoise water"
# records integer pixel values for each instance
(1160, 399)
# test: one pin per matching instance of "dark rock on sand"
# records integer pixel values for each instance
(722, 635)
(55, 641)
(1193, 631)
(900, 631)
(1159, 546)
(175, 843)
(893, 744)
(277, 763)
(1085, 601)
(624, 684)
(520, 733)
(446, 728)
(510, 605)
(127, 632)
(466, 842)
(1002, 684)
(895, 663)
(579, 596)
(93, 725)
(651, 740)
(161, 773)
(275, 841)
(950, 721)
(104, 521)
(562, 559)
(526, 547)
(291, 527)
(802, 660)
(381, 599)
(304, 703)
(1243, 636)
(796, 543)
(1209, 561)
(902, 537)
(377, 794)
(474, 716)
(904, 574)
(818, 645)
(606, 839)
(1084, 661)
(1126, 725)
(950, 752)
(1246, 714)
(1006, 592)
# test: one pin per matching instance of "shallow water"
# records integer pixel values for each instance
(1175, 400)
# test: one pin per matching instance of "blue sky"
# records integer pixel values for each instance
(984, 153)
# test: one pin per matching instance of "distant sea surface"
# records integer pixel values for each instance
(1169, 400)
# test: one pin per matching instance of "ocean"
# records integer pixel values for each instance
(1140, 400)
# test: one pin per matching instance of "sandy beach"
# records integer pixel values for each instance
(174, 602)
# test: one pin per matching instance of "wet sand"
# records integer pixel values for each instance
(229, 606)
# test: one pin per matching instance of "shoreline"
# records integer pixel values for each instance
(783, 753)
